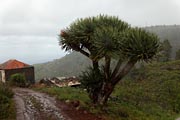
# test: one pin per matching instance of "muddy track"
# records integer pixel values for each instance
(31, 105)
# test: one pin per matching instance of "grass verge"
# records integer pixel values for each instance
(7, 106)
(149, 93)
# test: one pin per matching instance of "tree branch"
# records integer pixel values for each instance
(116, 69)
(84, 52)
(124, 71)
(96, 66)
(107, 67)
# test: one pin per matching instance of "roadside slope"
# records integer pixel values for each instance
(149, 93)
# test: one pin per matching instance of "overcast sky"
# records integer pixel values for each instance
(29, 28)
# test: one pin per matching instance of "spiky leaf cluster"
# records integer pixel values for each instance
(91, 80)
(108, 35)
(83, 33)
(138, 44)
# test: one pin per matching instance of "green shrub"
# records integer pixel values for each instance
(18, 80)
(5, 90)
(91, 80)
(7, 109)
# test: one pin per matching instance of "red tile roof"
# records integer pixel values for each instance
(13, 64)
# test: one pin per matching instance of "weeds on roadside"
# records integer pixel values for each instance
(7, 107)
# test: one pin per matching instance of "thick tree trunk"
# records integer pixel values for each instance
(94, 97)
(94, 94)
(124, 71)
(104, 94)
(116, 69)
(95, 65)
(107, 67)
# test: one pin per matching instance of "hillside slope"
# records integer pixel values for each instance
(69, 65)
(72, 64)
(151, 92)
(170, 32)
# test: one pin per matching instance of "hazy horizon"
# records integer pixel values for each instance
(29, 28)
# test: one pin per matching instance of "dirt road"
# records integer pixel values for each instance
(31, 105)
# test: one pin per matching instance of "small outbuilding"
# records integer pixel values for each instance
(14, 66)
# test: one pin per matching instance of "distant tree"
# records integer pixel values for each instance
(107, 38)
(178, 55)
(165, 51)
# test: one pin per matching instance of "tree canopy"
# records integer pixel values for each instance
(108, 37)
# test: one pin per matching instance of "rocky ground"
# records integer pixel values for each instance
(32, 105)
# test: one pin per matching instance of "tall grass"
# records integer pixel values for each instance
(67, 93)
(7, 107)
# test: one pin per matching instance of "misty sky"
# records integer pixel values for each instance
(29, 28)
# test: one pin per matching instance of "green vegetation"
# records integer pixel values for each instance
(165, 51)
(18, 80)
(149, 93)
(67, 93)
(7, 107)
(91, 80)
(106, 38)
(178, 54)
(72, 64)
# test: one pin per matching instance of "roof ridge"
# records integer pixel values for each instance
(13, 64)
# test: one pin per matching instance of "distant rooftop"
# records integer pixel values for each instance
(13, 64)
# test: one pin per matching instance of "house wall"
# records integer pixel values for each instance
(28, 72)
(2, 76)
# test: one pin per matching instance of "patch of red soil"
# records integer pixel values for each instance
(68, 109)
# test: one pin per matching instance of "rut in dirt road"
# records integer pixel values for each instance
(31, 105)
